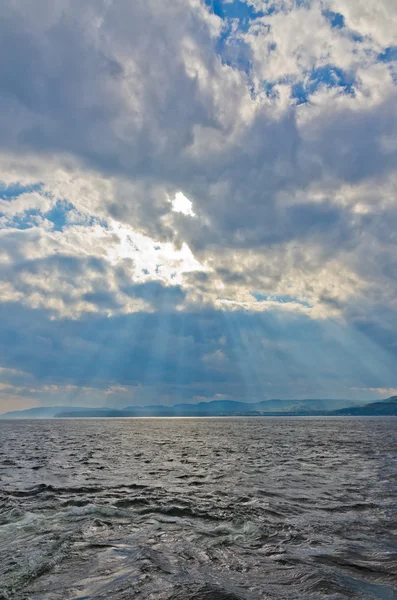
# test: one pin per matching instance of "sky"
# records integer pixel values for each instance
(197, 201)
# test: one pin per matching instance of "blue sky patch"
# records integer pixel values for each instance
(281, 298)
(8, 192)
(25, 220)
(58, 214)
(241, 11)
(329, 76)
(335, 19)
(389, 54)
(234, 52)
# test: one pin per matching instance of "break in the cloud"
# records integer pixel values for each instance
(197, 200)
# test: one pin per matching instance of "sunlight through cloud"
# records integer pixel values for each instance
(181, 204)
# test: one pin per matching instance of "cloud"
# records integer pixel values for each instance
(171, 164)
(381, 391)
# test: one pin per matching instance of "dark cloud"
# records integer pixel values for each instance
(71, 93)
(154, 292)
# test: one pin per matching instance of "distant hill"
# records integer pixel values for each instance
(232, 407)
(383, 407)
(41, 412)
(217, 408)
(85, 413)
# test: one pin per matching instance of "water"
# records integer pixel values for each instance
(198, 509)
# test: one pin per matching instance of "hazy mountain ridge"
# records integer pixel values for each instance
(219, 408)
(383, 407)
(40, 412)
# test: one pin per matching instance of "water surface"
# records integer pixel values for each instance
(198, 509)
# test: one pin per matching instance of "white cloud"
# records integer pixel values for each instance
(181, 204)
(374, 18)
(383, 392)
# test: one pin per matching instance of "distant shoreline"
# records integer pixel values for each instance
(374, 416)
(218, 409)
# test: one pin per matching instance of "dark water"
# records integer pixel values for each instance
(198, 509)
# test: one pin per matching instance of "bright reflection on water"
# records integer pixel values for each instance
(198, 509)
